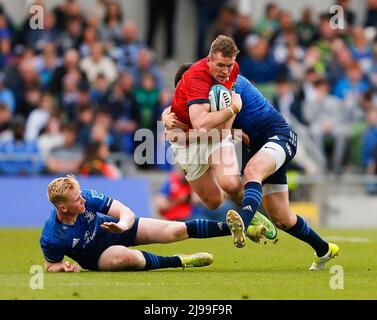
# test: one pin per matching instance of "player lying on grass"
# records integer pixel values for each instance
(273, 147)
(96, 231)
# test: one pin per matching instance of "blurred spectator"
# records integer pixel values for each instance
(68, 157)
(259, 65)
(286, 102)
(111, 28)
(70, 66)
(38, 38)
(372, 72)
(361, 49)
(268, 24)
(226, 22)
(85, 118)
(5, 119)
(328, 124)
(51, 137)
(103, 130)
(6, 55)
(147, 97)
(173, 200)
(90, 37)
(244, 28)
(20, 156)
(370, 139)
(369, 148)
(341, 58)
(95, 162)
(6, 95)
(66, 10)
(350, 89)
(46, 64)
(348, 13)
(165, 10)
(371, 14)
(306, 28)
(206, 12)
(128, 48)
(146, 64)
(71, 36)
(125, 111)
(97, 63)
(39, 117)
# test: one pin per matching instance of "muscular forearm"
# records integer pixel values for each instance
(212, 120)
(126, 218)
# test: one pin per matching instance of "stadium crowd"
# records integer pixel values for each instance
(77, 90)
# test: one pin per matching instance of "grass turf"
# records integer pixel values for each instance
(272, 271)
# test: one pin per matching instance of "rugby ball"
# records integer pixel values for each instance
(219, 97)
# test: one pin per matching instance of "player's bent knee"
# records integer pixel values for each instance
(213, 201)
(232, 187)
(177, 232)
(251, 173)
(128, 260)
(284, 221)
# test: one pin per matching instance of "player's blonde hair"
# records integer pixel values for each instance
(58, 189)
(225, 45)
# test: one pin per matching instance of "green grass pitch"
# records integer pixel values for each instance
(272, 271)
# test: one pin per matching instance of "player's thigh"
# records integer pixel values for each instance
(208, 189)
(120, 258)
(225, 167)
(160, 231)
(277, 206)
(259, 167)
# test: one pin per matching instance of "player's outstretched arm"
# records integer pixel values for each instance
(124, 214)
(65, 266)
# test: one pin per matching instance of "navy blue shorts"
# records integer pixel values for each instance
(287, 140)
(126, 239)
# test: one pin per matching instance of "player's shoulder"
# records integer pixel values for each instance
(89, 194)
(198, 69)
(51, 230)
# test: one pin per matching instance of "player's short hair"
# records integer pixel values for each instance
(58, 189)
(225, 45)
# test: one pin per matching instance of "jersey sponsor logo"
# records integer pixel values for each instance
(75, 241)
(90, 216)
(274, 138)
(89, 237)
(97, 194)
(220, 225)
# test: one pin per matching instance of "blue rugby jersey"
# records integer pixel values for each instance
(82, 240)
(258, 118)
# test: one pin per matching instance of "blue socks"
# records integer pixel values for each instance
(157, 262)
(251, 201)
(302, 231)
(202, 228)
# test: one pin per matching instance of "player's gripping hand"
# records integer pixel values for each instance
(114, 227)
(71, 267)
(236, 105)
(171, 122)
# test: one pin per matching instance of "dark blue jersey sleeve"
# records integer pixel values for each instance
(52, 253)
(97, 200)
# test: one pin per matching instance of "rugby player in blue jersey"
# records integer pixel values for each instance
(96, 231)
(273, 145)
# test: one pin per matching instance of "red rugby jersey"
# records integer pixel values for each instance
(194, 88)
